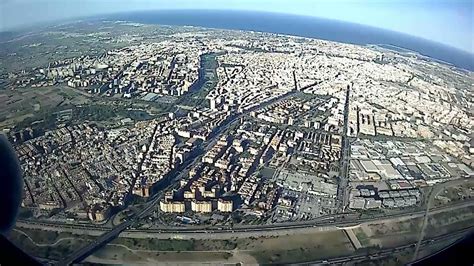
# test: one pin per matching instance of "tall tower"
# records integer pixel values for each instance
(212, 103)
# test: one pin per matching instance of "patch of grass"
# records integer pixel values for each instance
(301, 248)
(156, 244)
(55, 252)
(362, 237)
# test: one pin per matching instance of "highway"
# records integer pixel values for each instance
(102, 240)
(346, 218)
(106, 237)
(327, 221)
(342, 189)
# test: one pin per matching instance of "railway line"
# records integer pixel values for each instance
(327, 221)
(390, 251)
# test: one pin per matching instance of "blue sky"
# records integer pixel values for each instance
(445, 21)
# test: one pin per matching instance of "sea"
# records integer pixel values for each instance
(304, 26)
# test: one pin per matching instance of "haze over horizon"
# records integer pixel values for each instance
(258, 131)
(442, 21)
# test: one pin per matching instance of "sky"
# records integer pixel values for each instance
(445, 21)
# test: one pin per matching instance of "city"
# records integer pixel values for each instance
(226, 129)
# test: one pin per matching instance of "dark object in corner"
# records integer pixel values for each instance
(10, 198)
(11, 185)
(459, 253)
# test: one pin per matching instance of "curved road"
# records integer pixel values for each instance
(44, 244)
(434, 191)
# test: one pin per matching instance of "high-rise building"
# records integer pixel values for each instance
(290, 121)
(224, 205)
(189, 194)
(212, 103)
(201, 206)
(172, 206)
